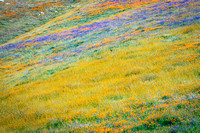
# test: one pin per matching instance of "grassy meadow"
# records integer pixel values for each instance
(105, 66)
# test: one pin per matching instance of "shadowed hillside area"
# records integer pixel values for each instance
(99, 66)
(20, 16)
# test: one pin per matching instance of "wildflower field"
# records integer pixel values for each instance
(103, 66)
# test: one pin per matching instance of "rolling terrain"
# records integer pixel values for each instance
(105, 66)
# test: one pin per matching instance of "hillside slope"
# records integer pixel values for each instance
(112, 66)
(20, 16)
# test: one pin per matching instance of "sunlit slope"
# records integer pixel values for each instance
(118, 89)
(132, 70)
